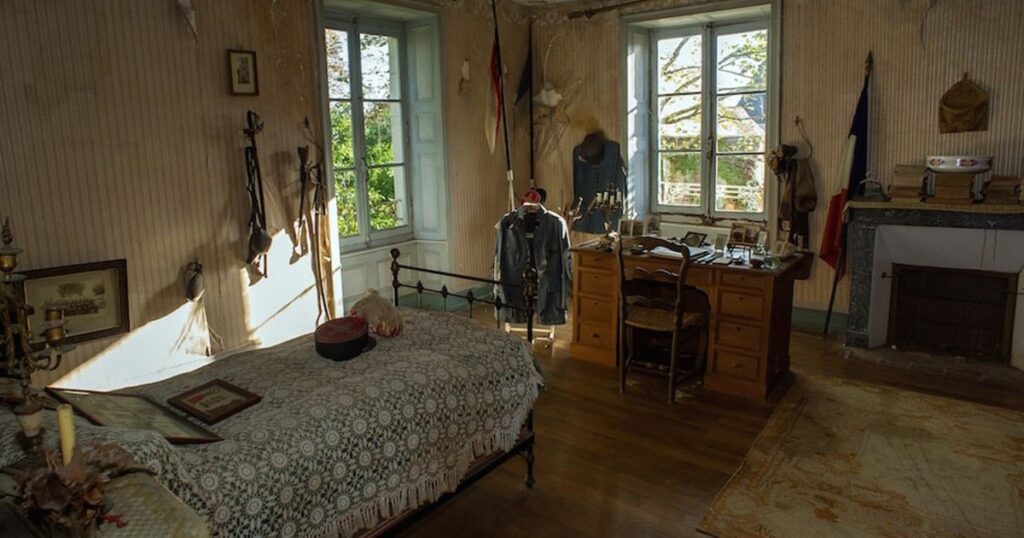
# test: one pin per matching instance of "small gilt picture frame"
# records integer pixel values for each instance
(214, 401)
(242, 72)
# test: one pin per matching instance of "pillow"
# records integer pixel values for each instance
(381, 316)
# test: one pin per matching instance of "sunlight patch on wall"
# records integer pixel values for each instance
(282, 305)
(171, 345)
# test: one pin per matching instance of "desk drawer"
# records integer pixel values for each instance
(740, 280)
(738, 335)
(736, 364)
(603, 260)
(740, 305)
(599, 283)
(597, 335)
(700, 277)
(595, 310)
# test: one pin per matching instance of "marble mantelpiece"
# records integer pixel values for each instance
(864, 220)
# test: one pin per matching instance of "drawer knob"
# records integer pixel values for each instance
(594, 335)
(737, 365)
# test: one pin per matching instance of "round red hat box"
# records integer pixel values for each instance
(343, 339)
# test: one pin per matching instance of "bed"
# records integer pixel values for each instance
(357, 447)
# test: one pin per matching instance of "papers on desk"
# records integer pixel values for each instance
(666, 253)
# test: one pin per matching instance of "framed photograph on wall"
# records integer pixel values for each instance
(94, 297)
(242, 72)
(214, 401)
(134, 412)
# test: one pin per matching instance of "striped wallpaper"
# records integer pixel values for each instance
(119, 139)
(824, 44)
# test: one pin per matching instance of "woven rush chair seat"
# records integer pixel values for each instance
(659, 302)
(657, 319)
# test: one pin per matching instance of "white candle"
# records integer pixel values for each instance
(66, 427)
(618, 197)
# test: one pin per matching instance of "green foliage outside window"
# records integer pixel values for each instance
(740, 121)
(378, 136)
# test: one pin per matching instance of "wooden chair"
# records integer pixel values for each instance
(659, 302)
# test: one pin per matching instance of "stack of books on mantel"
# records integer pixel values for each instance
(953, 188)
(908, 183)
(1003, 190)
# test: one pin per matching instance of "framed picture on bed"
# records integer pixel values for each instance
(135, 412)
(214, 401)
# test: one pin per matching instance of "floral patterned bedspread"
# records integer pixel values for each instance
(336, 447)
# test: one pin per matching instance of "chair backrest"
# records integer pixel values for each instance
(641, 287)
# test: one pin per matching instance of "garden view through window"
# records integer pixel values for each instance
(710, 87)
(364, 79)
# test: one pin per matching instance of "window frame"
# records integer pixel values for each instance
(367, 238)
(709, 32)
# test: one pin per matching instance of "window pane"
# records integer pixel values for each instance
(383, 132)
(679, 122)
(341, 134)
(739, 185)
(338, 72)
(387, 197)
(345, 190)
(741, 123)
(679, 183)
(679, 60)
(743, 61)
(379, 57)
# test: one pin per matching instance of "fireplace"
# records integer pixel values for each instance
(977, 238)
(952, 311)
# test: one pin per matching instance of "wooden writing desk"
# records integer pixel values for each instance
(751, 311)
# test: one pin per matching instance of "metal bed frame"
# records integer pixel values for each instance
(525, 444)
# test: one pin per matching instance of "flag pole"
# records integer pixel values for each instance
(869, 64)
(501, 102)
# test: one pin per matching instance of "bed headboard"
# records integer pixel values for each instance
(528, 287)
(527, 220)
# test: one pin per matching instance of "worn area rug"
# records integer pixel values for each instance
(840, 458)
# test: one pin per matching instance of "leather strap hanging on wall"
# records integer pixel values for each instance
(259, 238)
(963, 108)
(315, 220)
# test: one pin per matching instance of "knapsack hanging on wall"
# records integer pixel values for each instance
(963, 108)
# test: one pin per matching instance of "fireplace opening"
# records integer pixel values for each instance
(953, 311)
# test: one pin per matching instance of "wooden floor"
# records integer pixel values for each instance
(631, 465)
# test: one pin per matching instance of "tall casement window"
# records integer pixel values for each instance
(367, 117)
(709, 102)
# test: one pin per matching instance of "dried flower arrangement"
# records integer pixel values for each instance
(67, 500)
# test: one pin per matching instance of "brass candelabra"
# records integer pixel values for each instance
(20, 356)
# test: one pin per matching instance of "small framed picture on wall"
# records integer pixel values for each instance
(242, 71)
(93, 298)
